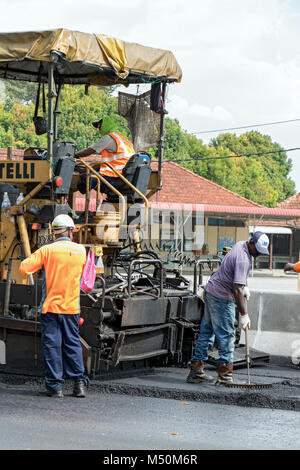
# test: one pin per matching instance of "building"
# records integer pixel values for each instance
(225, 216)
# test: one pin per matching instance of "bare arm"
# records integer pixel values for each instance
(240, 299)
(106, 142)
(85, 152)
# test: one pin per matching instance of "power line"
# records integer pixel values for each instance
(259, 154)
(245, 127)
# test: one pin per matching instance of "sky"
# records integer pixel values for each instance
(240, 59)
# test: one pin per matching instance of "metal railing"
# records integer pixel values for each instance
(198, 270)
(146, 261)
(142, 196)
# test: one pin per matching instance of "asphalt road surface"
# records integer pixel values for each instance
(104, 421)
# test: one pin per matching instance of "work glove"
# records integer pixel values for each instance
(246, 292)
(245, 321)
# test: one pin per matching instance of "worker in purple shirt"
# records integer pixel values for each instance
(224, 290)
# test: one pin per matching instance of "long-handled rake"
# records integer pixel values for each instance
(247, 385)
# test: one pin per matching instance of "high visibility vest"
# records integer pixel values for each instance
(62, 262)
(297, 267)
(119, 158)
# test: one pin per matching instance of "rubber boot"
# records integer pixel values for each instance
(197, 373)
(79, 390)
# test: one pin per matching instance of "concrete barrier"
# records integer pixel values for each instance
(275, 324)
(2, 352)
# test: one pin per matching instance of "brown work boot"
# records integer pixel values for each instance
(197, 373)
(225, 375)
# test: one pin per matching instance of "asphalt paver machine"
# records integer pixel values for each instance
(139, 313)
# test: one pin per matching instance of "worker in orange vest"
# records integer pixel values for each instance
(292, 267)
(62, 263)
(114, 149)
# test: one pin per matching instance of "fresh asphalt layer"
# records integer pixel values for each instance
(170, 383)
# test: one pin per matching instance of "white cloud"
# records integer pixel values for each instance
(179, 106)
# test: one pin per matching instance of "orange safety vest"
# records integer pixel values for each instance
(297, 267)
(63, 262)
(119, 158)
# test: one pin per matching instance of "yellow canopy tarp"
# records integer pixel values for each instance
(83, 58)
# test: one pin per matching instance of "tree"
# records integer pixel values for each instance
(263, 179)
(78, 111)
(18, 92)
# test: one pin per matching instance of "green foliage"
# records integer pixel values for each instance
(78, 111)
(263, 179)
(17, 129)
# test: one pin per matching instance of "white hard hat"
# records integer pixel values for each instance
(62, 221)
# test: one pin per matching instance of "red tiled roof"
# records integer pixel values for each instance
(261, 211)
(17, 154)
(183, 189)
(292, 202)
(183, 186)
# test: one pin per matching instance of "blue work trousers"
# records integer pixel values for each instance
(61, 349)
(218, 320)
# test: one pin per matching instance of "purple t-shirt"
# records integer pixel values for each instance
(234, 269)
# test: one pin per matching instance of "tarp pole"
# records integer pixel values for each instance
(56, 112)
(51, 94)
(161, 149)
(161, 137)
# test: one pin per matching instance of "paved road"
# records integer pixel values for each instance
(110, 421)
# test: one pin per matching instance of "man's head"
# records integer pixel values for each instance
(258, 244)
(106, 125)
(97, 124)
(63, 226)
